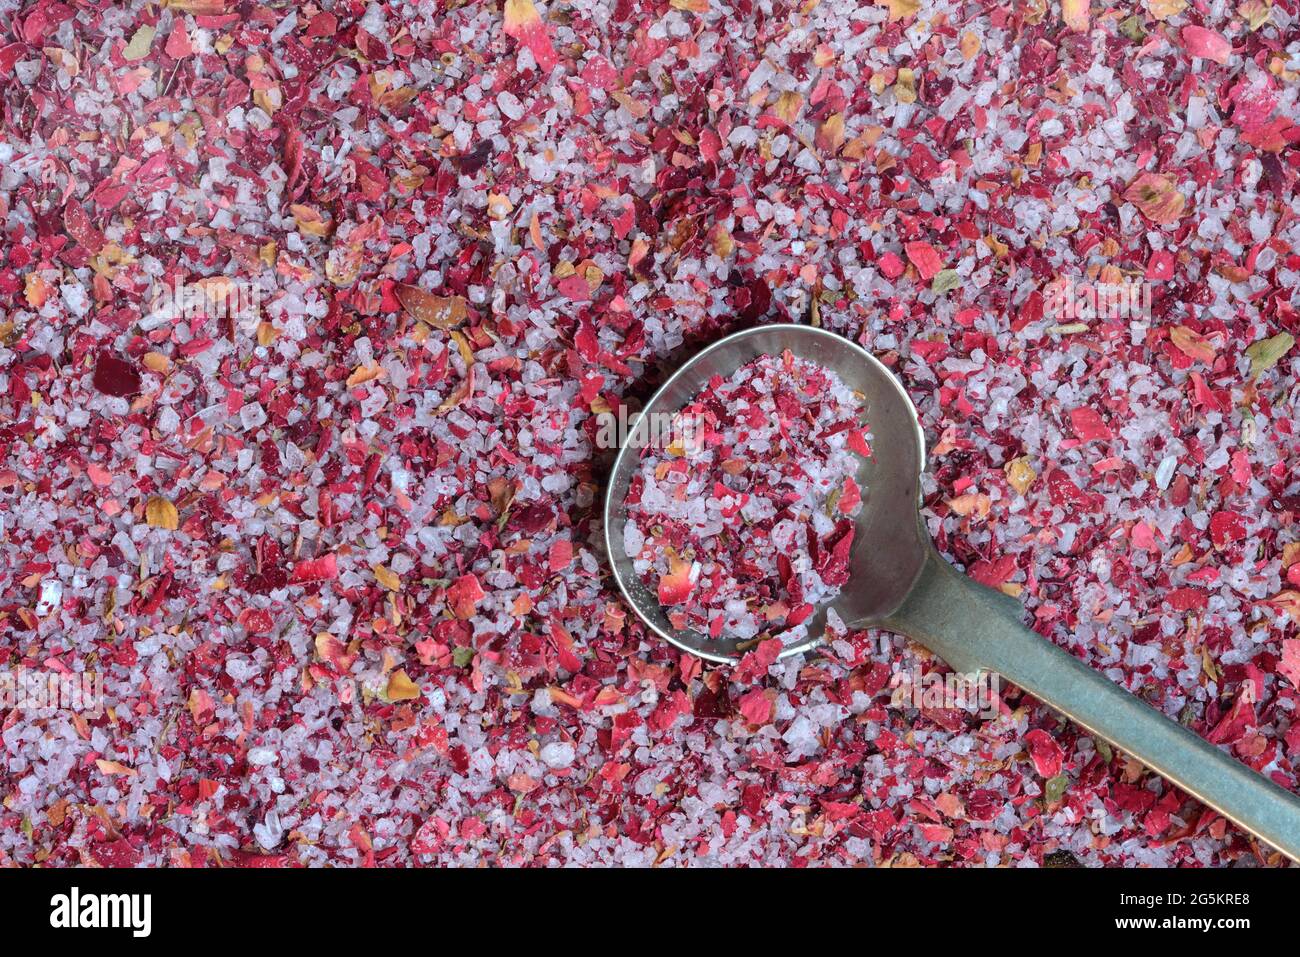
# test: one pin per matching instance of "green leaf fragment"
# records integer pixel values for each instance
(832, 500)
(1266, 353)
(944, 280)
(140, 44)
(503, 518)
(462, 656)
(1132, 28)
(1055, 788)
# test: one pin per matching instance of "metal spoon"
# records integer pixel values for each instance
(900, 583)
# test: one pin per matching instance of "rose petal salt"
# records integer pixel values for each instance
(746, 525)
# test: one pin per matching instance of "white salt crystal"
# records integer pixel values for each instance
(1165, 471)
(168, 420)
(50, 597)
(269, 833)
(261, 757)
(633, 539)
(509, 104)
(557, 754)
(285, 27)
(75, 298)
(252, 415)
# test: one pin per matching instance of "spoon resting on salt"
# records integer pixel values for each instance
(899, 582)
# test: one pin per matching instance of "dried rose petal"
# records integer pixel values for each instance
(925, 259)
(441, 312)
(1075, 14)
(1201, 42)
(1227, 527)
(115, 376)
(464, 595)
(315, 569)
(1157, 197)
(525, 25)
(1046, 753)
(1089, 426)
(1192, 344)
(675, 587)
(1289, 667)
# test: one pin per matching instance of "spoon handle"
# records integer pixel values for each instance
(973, 627)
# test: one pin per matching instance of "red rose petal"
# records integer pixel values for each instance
(924, 258)
(1046, 753)
(116, 376)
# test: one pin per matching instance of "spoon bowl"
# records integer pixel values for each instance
(899, 582)
(890, 480)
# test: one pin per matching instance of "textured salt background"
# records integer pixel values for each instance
(453, 681)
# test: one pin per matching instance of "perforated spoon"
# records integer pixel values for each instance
(899, 582)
